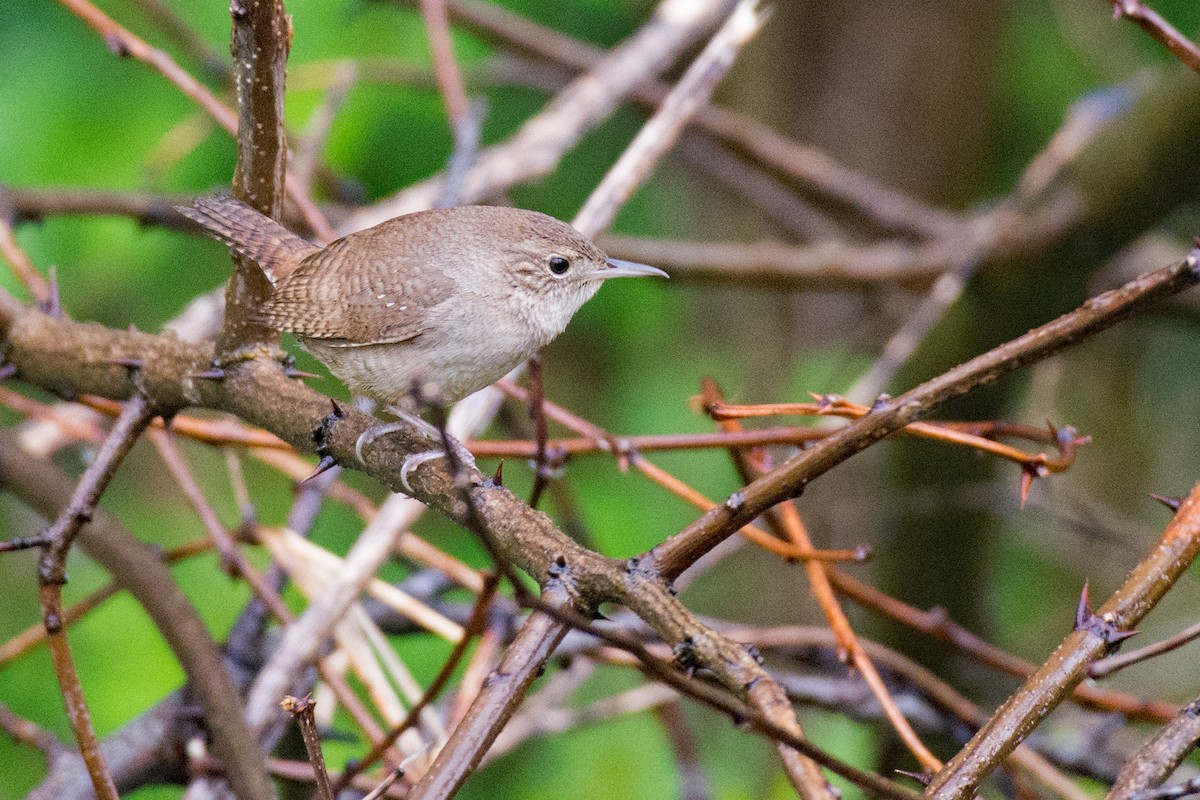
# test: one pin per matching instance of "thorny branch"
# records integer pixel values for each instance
(52, 574)
(1098, 635)
(572, 578)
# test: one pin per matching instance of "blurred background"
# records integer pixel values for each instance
(947, 102)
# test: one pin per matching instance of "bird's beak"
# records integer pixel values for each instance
(617, 268)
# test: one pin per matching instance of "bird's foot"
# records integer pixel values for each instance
(414, 460)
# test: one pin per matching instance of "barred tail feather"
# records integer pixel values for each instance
(273, 247)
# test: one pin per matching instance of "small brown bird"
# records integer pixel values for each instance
(451, 299)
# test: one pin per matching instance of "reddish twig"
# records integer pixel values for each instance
(785, 519)
(445, 68)
(627, 456)
(788, 480)
(21, 264)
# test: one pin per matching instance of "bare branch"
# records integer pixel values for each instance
(1152, 23)
(1094, 636)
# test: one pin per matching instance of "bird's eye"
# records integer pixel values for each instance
(559, 265)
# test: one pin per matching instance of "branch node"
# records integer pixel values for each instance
(1103, 626)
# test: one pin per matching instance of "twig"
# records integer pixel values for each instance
(754, 713)
(137, 568)
(1152, 23)
(659, 134)
(496, 702)
(445, 67)
(384, 784)
(167, 20)
(25, 543)
(1113, 664)
(472, 629)
(773, 199)
(1153, 763)
(786, 521)
(537, 147)
(238, 564)
(27, 732)
(537, 413)
(782, 639)
(301, 710)
(694, 783)
(231, 555)
(260, 41)
(648, 443)
(52, 574)
(302, 641)
(627, 455)
(478, 668)
(937, 623)
(1185, 789)
(885, 207)
(307, 151)
(826, 263)
(674, 555)
(21, 264)
(124, 43)
(33, 635)
(1096, 634)
(1034, 466)
(467, 134)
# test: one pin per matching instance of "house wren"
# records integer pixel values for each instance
(450, 299)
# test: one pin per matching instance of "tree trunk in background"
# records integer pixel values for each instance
(903, 93)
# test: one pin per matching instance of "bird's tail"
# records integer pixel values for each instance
(273, 247)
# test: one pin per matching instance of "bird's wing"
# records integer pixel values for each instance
(356, 300)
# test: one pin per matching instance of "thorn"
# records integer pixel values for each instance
(216, 374)
(1104, 627)
(292, 372)
(880, 402)
(1027, 476)
(1116, 637)
(53, 304)
(1084, 610)
(922, 778)
(324, 465)
(1172, 503)
(498, 477)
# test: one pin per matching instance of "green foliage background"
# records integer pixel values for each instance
(72, 114)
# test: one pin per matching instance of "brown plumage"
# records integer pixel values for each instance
(453, 298)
